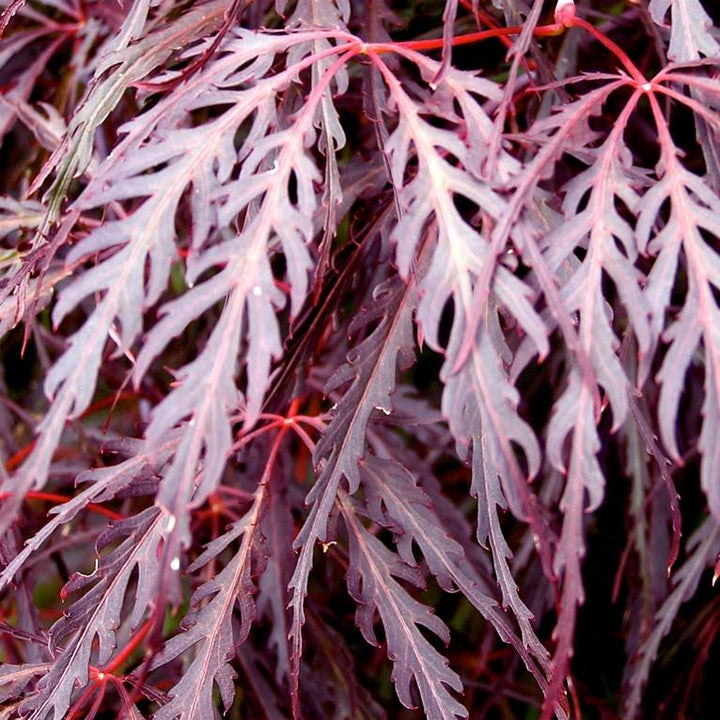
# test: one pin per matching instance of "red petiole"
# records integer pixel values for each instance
(564, 18)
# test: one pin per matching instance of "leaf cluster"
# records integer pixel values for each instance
(359, 359)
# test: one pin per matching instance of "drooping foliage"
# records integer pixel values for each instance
(367, 354)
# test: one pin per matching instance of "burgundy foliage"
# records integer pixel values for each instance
(358, 357)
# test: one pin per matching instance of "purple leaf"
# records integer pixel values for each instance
(371, 582)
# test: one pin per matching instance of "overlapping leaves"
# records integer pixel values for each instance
(206, 219)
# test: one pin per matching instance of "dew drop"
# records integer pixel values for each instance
(257, 291)
(175, 564)
(171, 523)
